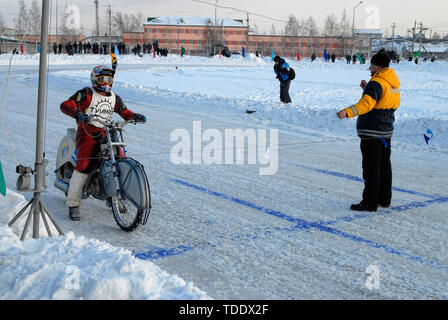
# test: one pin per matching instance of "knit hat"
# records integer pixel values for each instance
(381, 59)
(277, 59)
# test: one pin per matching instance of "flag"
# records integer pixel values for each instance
(182, 51)
(325, 54)
(219, 51)
(116, 51)
(429, 132)
(21, 48)
(361, 61)
(38, 49)
(244, 52)
(298, 55)
(2, 181)
(272, 54)
(417, 54)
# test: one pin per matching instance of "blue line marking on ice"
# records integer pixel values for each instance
(305, 225)
(242, 202)
(401, 208)
(354, 178)
(162, 253)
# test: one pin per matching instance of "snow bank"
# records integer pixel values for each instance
(72, 267)
(148, 59)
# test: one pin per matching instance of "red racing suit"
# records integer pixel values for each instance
(89, 135)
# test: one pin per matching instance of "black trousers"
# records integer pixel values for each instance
(284, 91)
(377, 171)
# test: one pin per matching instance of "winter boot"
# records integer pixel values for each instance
(74, 213)
(74, 194)
(362, 206)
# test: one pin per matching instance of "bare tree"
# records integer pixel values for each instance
(436, 36)
(67, 26)
(123, 22)
(331, 26)
(310, 27)
(294, 27)
(34, 18)
(255, 29)
(345, 24)
(2, 25)
(209, 35)
(273, 31)
(21, 22)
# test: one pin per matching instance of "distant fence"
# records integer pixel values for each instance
(7, 46)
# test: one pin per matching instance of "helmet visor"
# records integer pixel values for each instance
(104, 80)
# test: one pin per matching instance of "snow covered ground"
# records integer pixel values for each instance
(224, 228)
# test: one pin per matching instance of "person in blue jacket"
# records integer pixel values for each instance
(282, 69)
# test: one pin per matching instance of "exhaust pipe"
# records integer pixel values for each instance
(61, 185)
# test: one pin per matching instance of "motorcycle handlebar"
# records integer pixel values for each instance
(112, 123)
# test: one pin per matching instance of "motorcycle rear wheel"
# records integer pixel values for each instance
(127, 215)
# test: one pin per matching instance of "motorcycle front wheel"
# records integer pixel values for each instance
(127, 215)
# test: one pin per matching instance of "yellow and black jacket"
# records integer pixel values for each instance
(114, 58)
(376, 108)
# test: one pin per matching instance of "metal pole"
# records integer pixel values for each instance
(110, 27)
(57, 44)
(40, 132)
(413, 35)
(393, 35)
(40, 165)
(247, 33)
(97, 19)
(353, 25)
(214, 35)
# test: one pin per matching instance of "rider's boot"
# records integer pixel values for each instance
(74, 195)
(74, 213)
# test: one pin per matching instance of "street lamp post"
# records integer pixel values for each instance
(214, 35)
(353, 25)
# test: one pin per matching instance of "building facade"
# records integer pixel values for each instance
(363, 39)
(199, 35)
(289, 46)
(203, 36)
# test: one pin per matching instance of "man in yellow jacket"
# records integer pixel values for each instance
(375, 112)
(114, 60)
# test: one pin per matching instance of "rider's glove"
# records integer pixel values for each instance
(139, 117)
(81, 116)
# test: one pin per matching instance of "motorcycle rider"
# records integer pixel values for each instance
(86, 105)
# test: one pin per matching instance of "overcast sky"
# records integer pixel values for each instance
(433, 13)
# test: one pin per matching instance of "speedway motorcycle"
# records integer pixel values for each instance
(117, 179)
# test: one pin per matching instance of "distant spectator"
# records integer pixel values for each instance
(55, 48)
(348, 58)
(333, 58)
(313, 57)
(80, 47)
(60, 48)
(363, 59)
(354, 59)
